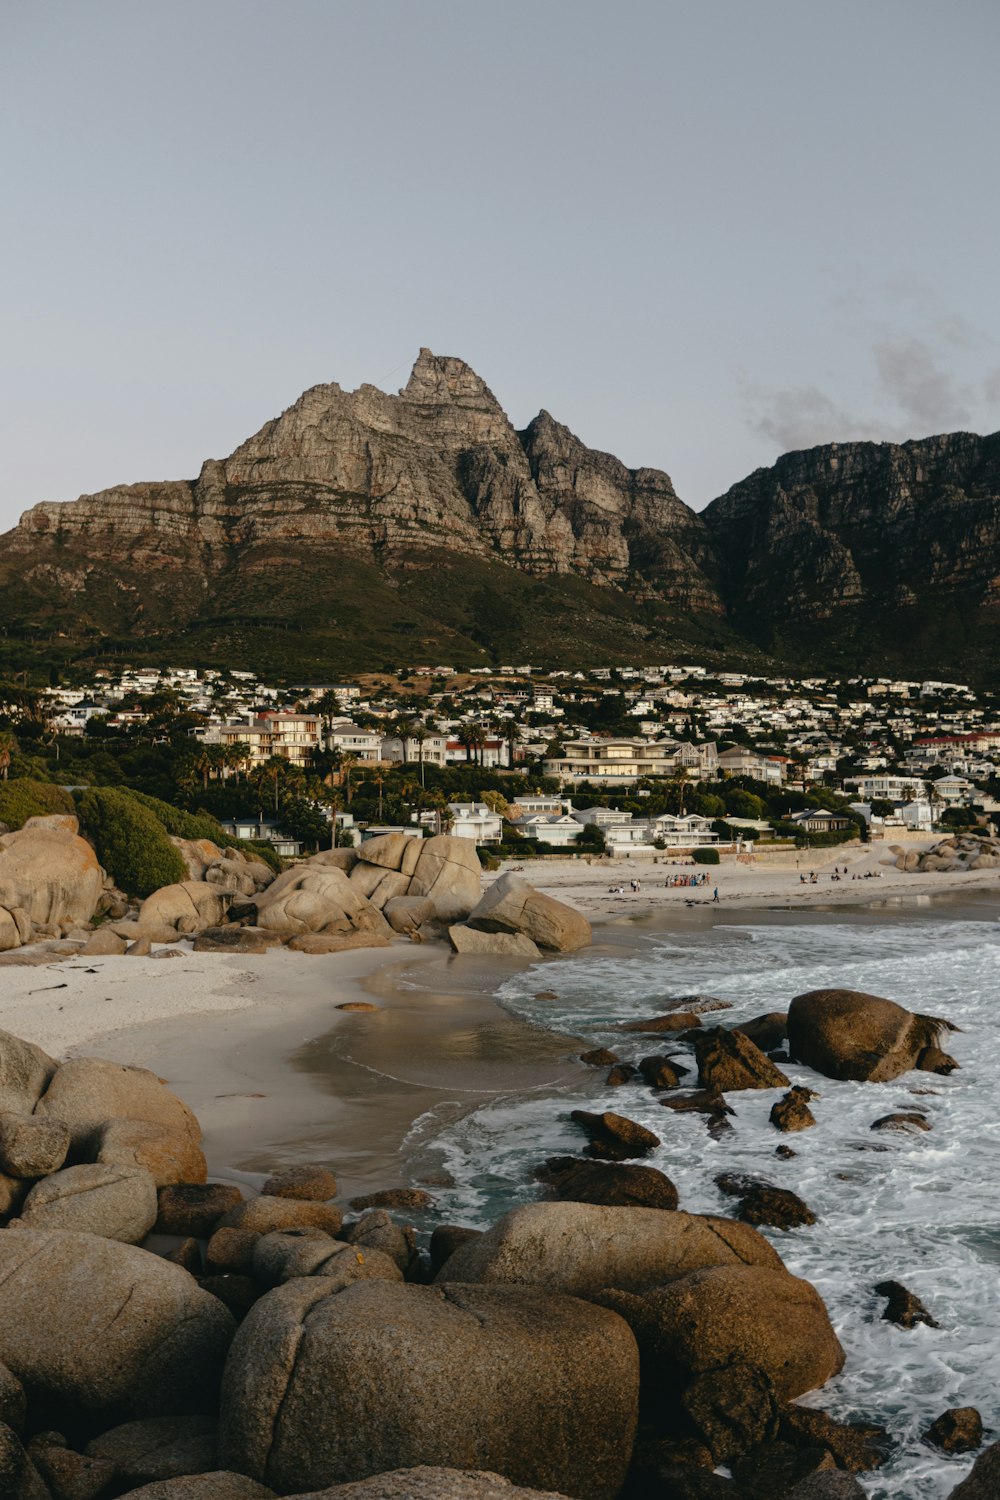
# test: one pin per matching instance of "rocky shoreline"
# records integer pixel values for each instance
(601, 1342)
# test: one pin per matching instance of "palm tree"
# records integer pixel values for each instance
(511, 738)
(418, 732)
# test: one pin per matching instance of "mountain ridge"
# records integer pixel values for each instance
(333, 518)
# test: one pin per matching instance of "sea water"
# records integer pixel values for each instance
(920, 1208)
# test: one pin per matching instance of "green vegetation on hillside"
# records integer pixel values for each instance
(25, 798)
(131, 842)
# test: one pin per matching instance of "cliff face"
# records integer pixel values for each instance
(437, 466)
(873, 527)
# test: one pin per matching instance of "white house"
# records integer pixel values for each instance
(558, 829)
(474, 820)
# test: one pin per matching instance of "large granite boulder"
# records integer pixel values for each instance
(983, 1482)
(106, 1326)
(25, 1074)
(317, 899)
(86, 1092)
(466, 939)
(425, 1483)
(408, 913)
(30, 1146)
(448, 872)
(220, 1484)
(283, 1255)
(187, 907)
(581, 1248)
(321, 1388)
(15, 929)
(512, 905)
(50, 873)
(170, 1156)
(847, 1034)
(118, 1203)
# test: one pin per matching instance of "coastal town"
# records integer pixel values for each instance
(534, 762)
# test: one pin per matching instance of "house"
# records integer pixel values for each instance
(474, 820)
(953, 789)
(819, 820)
(526, 806)
(614, 762)
(263, 831)
(291, 736)
(558, 829)
(687, 831)
(350, 739)
(740, 761)
(412, 750)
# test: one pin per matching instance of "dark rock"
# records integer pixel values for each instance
(910, 1121)
(194, 1208)
(238, 1293)
(613, 1137)
(600, 1057)
(983, 1483)
(412, 1198)
(666, 1479)
(792, 1112)
(158, 1448)
(785, 1152)
(763, 1203)
(186, 1254)
(230, 1250)
(767, 1031)
(776, 1467)
(957, 1430)
(682, 1020)
(308, 1184)
(445, 1241)
(613, 1184)
(904, 1307)
(830, 1484)
(69, 1475)
(661, 1072)
(732, 1408)
(850, 1035)
(235, 939)
(728, 1060)
(700, 1101)
(857, 1446)
(620, 1074)
(933, 1060)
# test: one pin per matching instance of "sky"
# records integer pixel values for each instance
(699, 232)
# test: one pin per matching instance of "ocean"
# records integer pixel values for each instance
(919, 1208)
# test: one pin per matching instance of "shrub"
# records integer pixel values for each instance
(202, 825)
(131, 842)
(24, 798)
(705, 856)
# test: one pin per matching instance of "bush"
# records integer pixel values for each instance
(131, 842)
(201, 825)
(705, 856)
(487, 858)
(24, 798)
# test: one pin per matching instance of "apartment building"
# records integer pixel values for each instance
(291, 736)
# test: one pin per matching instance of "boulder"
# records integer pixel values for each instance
(198, 855)
(318, 943)
(106, 1326)
(850, 1035)
(512, 905)
(117, 1203)
(729, 1061)
(855, 1446)
(376, 1230)
(792, 1111)
(831, 1484)
(767, 1031)
(445, 1240)
(757, 1316)
(571, 1179)
(103, 943)
(11, 934)
(168, 1155)
(614, 1137)
(263, 1215)
(286, 1254)
(413, 1199)
(408, 913)
(158, 1448)
(336, 859)
(465, 939)
(957, 1430)
(763, 1203)
(30, 1146)
(187, 907)
(231, 1250)
(195, 1207)
(661, 1071)
(235, 940)
(580, 1248)
(221, 1484)
(25, 1074)
(312, 1184)
(19, 1479)
(983, 1482)
(317, 899)
(321, 1388)
(50, 873)
(386, 850)
(448, 872)
(903, 1307)
(426, 1483)
(87, 1092)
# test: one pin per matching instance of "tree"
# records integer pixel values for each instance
(417, 731)
(8, 744)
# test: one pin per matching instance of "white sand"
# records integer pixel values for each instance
(73, 1003)
(771, 879)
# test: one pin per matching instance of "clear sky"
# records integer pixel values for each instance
(700, 232)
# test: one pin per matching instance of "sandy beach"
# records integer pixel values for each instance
(277, 1073)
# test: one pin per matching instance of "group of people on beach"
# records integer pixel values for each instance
(685, 880)
(839, 874)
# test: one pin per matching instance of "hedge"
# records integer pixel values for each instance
(705, 856)
(24, 798)
(185, 825)
(131, 842)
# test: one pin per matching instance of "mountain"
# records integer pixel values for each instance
(360, 528)
(869, 554)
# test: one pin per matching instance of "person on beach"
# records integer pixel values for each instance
(715, 894)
